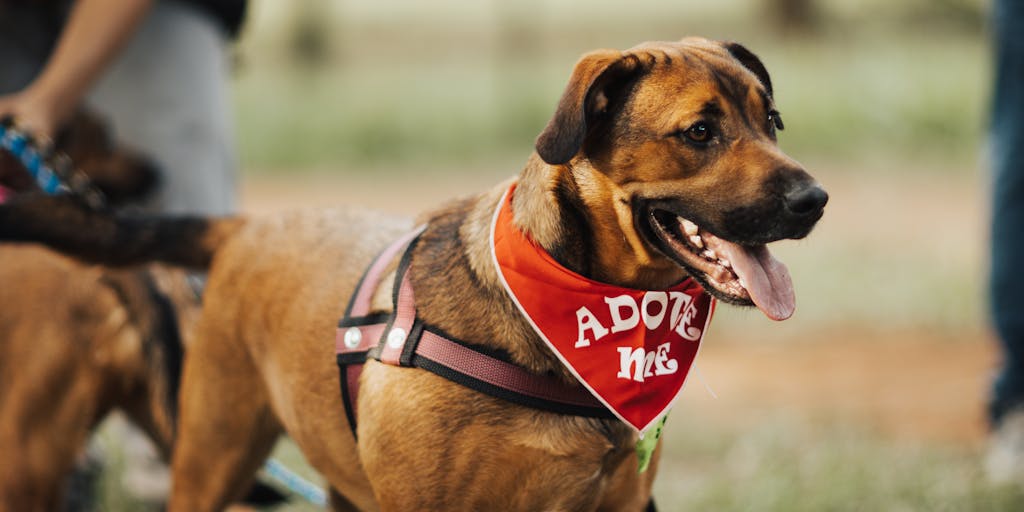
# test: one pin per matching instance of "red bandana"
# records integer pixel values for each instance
(631, 348)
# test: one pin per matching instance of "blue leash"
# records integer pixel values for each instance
(53, 173)
(295, 483)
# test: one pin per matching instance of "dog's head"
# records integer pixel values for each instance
(684, 136)
(120, 173)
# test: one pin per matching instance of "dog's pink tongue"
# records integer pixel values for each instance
(765, 278)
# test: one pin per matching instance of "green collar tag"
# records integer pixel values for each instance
(646, 444)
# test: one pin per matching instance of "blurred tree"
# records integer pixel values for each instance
(794, 17)
(518, 34)
(966, 15)
(309, 33)
(518, 42)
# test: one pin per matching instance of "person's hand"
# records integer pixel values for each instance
(95, 31)
(34, 112)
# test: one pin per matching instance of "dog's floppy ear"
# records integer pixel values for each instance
(586, 96)
(751, 62)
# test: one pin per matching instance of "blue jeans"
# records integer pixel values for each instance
(1006, 284)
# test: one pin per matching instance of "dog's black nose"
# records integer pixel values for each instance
(806, 199)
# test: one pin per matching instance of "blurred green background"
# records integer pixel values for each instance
(346, 83)
(871, 397)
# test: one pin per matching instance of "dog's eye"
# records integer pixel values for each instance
(698, 132)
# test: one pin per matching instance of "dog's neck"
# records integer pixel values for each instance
(585, 236)
(547, 207)
(585, 222)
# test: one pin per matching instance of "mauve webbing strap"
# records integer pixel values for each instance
(496, 372)
(369, 336)
(401, 326)
(480, 366)
(364, 336)
(352, 374)
(361, 304)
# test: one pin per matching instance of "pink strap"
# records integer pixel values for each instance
(368, 336)
(352, 374)
(405, 316)
(470, 362)
(361, 304)
(499, 373)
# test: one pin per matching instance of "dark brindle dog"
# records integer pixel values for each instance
(78, 341)
(654, 155)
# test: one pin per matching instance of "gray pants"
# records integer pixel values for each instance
(165, 95)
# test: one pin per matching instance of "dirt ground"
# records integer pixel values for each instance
(921, 383)
(904, 385)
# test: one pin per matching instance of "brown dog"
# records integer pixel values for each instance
(77, 341)
(648, 149)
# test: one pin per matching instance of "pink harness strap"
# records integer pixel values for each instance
(368, 337)
(401, 325)
(404, 340)
(352, 342)
(499, 373)
(368, 286)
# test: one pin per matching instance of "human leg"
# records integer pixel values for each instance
(1005, 459)
(1007, 279)
(167, 96)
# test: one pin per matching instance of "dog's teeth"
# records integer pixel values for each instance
(688, 227)
(697, 240)
(709, 254)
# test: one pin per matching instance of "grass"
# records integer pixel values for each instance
(779, 464)
(790, 465)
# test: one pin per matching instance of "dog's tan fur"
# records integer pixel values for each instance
(263, 362)
(76, 342)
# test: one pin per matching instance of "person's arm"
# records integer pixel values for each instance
(95, 32)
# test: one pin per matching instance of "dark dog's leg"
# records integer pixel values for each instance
(338, 503)
(262, 495)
